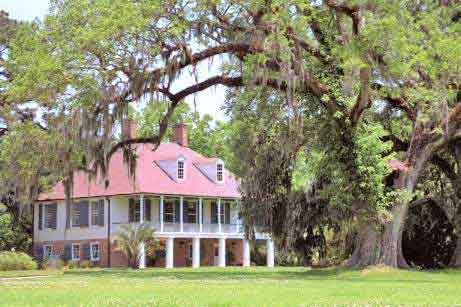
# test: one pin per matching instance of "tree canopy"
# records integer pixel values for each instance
(370, 87)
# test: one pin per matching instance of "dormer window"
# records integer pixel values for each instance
(219, 172)
(180, 174)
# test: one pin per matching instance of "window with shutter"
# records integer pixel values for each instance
(97, 213)
(76, 252)
(75, 215)
(169, 211)
(95, 252)
(50, 216)
(190, 208)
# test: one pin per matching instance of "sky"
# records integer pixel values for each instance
(209, 101)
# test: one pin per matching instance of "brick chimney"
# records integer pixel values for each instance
(180, 134)
(129, 128)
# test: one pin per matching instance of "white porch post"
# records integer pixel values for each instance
(142, 252)
(270, 253)
(246, 252)
(222, 252)
(181, 211)
(219, 214)
(196, 252)
(200, 217)
(169, 261)
(161, 213)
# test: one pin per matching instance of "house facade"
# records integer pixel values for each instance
(190, 200)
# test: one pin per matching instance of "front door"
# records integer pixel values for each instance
(216, 254)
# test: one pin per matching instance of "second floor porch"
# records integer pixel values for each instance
(169, 215)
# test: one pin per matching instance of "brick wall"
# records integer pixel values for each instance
(181, 259)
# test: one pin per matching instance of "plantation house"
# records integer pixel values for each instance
(190, 200)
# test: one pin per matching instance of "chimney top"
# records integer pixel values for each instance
(180, 134)
(129, 129)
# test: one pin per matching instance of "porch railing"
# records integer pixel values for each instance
(188, 227)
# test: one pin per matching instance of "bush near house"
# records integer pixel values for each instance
(12, 261)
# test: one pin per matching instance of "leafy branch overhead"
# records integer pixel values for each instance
(361, 82)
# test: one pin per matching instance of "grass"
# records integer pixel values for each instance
(236, 287)
(28, 273)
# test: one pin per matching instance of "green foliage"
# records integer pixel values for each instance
(85, 264)
(13, 236)
(10, 261)
(130, 238)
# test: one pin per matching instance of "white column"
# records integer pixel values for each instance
(161, 213)
(222, 252)
(270, 253)
(142, 251)
(196, 252)
(181, 213)
(200, 217)
(246, 252)
(219, 214)
(169, 261)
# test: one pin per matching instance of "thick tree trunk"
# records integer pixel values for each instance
(368, 247)
(385, 247)
(456, 257)
(391, 240)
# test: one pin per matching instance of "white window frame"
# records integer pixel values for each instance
(72, 214)
(220, 163)
(76, 257)
(183, 169)
(91, 251)
(44, 251)
(44, 206)
(90, 221)
(90, 213)
(165, 205)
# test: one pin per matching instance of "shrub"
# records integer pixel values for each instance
(10, 261)
(85, 264)
(72, 265)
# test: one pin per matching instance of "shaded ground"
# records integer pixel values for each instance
(236, 287)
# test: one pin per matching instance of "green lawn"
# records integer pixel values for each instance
(235, 287)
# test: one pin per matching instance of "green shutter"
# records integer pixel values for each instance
(177, 211)
(40, 216)
(131, 210)
(84, 213)
(101, 212)
(227, 213)
(53, 209)
(147, 209)
(185, 211)
(214, 213)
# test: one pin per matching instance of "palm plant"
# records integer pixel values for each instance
(131, 237)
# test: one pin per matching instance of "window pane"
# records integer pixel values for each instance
(75, 214)
(219, 172)
(191, 211)
(180, 169)
(50, 215)
(94, 252)
(94, 213)
(76, 251)
(169, 211)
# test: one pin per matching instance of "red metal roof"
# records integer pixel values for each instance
(150, 178)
